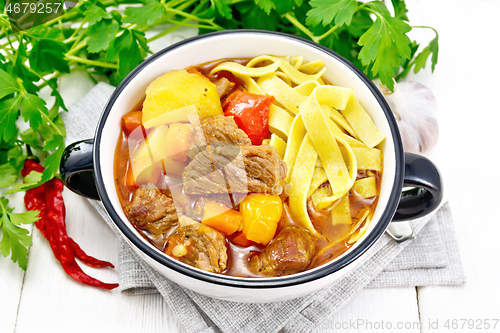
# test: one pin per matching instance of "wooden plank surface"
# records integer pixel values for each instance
(11, 279)
(466, 86)
(379, 309)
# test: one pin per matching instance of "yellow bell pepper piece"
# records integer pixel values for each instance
(261, 215)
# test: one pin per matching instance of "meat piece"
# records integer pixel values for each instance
(200, 246)
(289, 253)
(223, 86)
(265, 170)
(153, 211)
(219, 129)
(223, 129)
(233, 169)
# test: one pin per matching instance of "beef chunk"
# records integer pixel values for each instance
(289, 253)
(233, 169)
(153, 211)
(214, 130)
(223, 86)
(223, 129)
(200, 246)
(265, 170)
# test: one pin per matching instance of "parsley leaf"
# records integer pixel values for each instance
(255, 18)
(52, 144)
(384, 44)
(94, 13)
(59, 101)
(400, 9)
(8, 175)
(15, 240)
(7, 84)
(265, 5)
(361, 22)
(33, 179)
(126, 50)
(32, 108)
(52, 162)
(285, 6)
(223, 8)
(100, 34)
(9, 111)
(28, 217)
(148, 14)
(141, 39)
(324, 11)
(47, 56)
(31, 138)
(421, 59)
(16, 157)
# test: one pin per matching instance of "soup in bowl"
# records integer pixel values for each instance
(253, 166)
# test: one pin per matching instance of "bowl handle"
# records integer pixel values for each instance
(77, 169)
(426, 191)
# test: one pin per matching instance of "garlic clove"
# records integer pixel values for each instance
(414, 106)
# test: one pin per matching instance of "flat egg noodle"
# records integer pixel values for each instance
(362, 123)
(341, 212)
(283, 77)
(319, 177)
(342, 122)
(348, 139)
(326, 110)
(366, 187)
(340, 175)
(280, 121)
(320, 193)
(368, 158)
(282, 92)
(341, 208)
(295, 138)
(279, 144)
(357, 234)
(350, 160)
(334, 96)
(300, 181)
(306, 88)
(239, 69)
(293, 73)
(311, 67)
(250, 84)
(296, 61)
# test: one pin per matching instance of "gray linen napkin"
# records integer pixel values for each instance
(432, 258)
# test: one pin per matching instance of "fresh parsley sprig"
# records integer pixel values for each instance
(106, 38)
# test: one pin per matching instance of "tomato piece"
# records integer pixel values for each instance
(131, 121)
(241, 240)
(250, 112)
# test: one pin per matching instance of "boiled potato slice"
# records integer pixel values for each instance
(155, 150)
(177, 89)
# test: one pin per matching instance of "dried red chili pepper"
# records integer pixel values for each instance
(47, 198)
(86, 259)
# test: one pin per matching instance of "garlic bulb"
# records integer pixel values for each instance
(414, 106)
